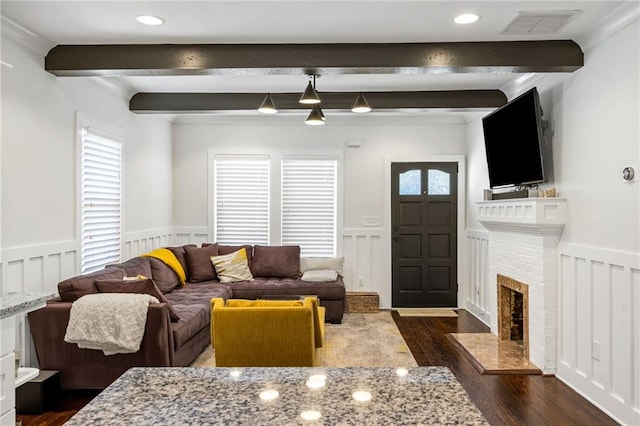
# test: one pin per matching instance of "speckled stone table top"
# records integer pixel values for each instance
(282, 396)
(12, 303)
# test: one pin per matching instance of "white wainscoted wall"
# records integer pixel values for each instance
(136, 243)
(477, 294)
(365, 258)
(599, 327)
(191, 235)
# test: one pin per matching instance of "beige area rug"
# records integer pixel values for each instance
(362, 340)
(433, 312)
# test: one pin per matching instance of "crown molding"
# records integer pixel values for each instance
(24, 36)
(621, 17)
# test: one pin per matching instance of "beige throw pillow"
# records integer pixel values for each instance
(320, 263)
(232, 267)
(320, 275)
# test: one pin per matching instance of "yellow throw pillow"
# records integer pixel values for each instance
(232, 267)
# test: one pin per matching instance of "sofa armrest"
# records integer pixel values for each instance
(91, 369)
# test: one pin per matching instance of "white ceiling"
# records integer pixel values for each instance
(266, 21)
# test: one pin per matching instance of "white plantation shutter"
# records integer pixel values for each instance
(309, 205)
(101, 166)
(242, 200)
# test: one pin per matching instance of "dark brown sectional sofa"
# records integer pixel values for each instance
(166, 343)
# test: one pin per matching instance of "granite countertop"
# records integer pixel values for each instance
(282, 396)
(13, 303)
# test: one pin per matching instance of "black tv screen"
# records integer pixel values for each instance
(513, 142)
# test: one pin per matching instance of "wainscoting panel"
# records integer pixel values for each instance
(477, 291)
(599, 330)
(36, 268)
(366, 263)
(191, 235)
(137, 243)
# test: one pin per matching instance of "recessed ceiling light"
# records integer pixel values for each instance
(466, 18)
(149, 20)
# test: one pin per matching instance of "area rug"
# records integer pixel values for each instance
(433, 312)
(362, 340)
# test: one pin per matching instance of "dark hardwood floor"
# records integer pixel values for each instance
(503, 399)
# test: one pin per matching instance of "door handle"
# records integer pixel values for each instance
(396, 238)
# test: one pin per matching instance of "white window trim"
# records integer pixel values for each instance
(275, 195)
(84, 120)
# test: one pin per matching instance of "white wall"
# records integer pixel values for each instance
(39, 153)
(595, 119)
(38, 181)
(363, 167)
(380, 137)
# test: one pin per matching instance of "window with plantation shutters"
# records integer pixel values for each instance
(309, 205)
(241, 198)
(101, 164)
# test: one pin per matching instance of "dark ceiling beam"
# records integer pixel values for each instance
(380, 101)
(339, 58)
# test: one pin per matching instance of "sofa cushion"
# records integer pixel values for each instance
(164, 277)
(134, 266)
(142, 286)
(260, 287)
(199, 263)
(230, 249)
(232, 267)
(181, 256)
(200, 294)
(193, 304)
(74, 288)
(193, 318)
(276, 261)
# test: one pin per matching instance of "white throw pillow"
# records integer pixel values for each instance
(320, 263)
(320, 275)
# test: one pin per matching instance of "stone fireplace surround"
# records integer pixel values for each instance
(523, 246)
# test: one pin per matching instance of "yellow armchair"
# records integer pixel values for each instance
(266, 333)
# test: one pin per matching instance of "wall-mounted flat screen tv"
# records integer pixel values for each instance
(513, 142)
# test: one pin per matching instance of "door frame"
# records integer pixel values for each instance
(462, 210)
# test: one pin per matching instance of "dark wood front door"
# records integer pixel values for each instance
(424, 214)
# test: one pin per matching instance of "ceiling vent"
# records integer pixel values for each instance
(539, 22)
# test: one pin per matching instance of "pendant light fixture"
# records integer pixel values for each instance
(361, 104)
(268, 106)
(310, 96)
(316, 117)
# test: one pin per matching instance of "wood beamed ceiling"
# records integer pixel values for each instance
(323, 59)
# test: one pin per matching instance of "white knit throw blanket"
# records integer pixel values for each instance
(110, 322)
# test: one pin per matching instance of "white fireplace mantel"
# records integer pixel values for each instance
(526, 215)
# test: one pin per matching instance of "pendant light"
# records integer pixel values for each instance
(267, 106)
(310, 96)
(316, 117)
(361, 104)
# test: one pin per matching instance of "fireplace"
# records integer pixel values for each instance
(523, 248)
(513, 312)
